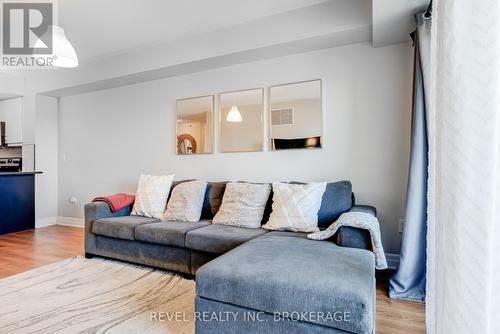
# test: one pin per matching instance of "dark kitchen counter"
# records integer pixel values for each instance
(19, 173)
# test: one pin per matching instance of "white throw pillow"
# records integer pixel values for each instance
(296, 206)
(152, 194)
(186, 202)
(243, 205)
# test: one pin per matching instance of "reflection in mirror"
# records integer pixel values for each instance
(195, 125)
(241, 128)
(296, 115)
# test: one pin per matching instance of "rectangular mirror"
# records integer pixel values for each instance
(195, 125)
(296, 118)
(241, 127)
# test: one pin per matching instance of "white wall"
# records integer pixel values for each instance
(11, 85)
(46, 134)
(107, 138)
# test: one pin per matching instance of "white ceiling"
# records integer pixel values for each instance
(394, 20)
(99, 28)
(121, 42)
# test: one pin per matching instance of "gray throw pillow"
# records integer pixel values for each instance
(186, 202)
(243, 205)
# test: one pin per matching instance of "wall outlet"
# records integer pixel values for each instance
(73, 200)
(401, 225)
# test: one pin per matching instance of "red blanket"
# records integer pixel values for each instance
(116, 202)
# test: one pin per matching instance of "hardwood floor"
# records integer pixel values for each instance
(30, 249)
(395, 316)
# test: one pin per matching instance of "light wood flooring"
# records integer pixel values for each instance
(34, 248)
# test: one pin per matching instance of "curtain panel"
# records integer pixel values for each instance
(409, 280)
(463, 279)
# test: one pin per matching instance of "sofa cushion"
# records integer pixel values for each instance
(213, 199)
(120, 227)
(289, 234)
(346, 236)
(337, 199)
(220, 239)
(274, 273)
(242, 320)
(167, 233)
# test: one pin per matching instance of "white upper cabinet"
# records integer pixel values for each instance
(11, 112)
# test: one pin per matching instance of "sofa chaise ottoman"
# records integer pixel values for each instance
(286, 283)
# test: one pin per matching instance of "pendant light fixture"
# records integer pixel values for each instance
(234, 115)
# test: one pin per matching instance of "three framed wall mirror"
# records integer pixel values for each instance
(241, 126)
(195, 125)
(296, 117)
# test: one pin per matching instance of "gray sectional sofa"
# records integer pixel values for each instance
(269, 281)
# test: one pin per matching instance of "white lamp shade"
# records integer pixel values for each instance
(234, 115)
(62, 50)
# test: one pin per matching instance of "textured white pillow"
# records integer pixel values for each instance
(243, 205)
(152, 194)
(186, 202)
(296, 206)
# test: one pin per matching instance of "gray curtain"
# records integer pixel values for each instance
(408, 282)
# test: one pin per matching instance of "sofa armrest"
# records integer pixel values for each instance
(354, 237)
(364, 208)
(94, 211)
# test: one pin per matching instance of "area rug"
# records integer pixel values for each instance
(96, 296)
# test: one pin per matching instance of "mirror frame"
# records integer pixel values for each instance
(177, 125)
(269, 109)
(219, 142)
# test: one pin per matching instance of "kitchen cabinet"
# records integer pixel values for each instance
(11, 112)
(17, 202)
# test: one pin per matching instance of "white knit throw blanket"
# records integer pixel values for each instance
(359, 220)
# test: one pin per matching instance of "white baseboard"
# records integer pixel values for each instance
(69, 221)
(392, 260)
(44, 222)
